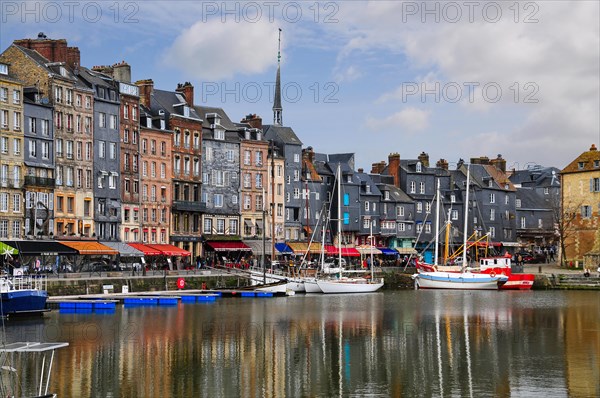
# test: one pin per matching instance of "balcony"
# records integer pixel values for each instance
(181, 205)
(33, 181)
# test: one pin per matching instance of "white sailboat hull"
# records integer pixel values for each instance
(295, 284)
(349, 285)
(458, 281)
(311, 286)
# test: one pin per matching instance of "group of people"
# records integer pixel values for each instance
(587, 272)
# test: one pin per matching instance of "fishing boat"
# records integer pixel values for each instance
(502, 266)
(429, 277)
(22, 295)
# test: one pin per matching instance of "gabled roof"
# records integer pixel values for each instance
(588, 160)
(170, 102)
(226, 122)
(532, 199)
(282, 134)
(366, 178)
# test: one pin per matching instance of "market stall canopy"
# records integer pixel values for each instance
(40, 247)
(331, 250)
(124, 249)
(226, 246)
(170, 250)
(90, 247)
(303, 247)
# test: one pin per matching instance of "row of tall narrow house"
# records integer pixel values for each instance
(86, 153)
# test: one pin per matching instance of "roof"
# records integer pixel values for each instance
(588, 160)
(226, 122)
(532, 199)
(282, 134)
(168, 101)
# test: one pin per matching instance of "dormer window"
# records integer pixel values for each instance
(3, 69)
(386, 195)
(452, 198)
(596, 163)
(580, 165)
(349, 179)
(186, 111)
(419, 167)
(490, 184)
(63, 71)
(219, 134)
(368, 189)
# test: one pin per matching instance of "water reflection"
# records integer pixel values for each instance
(412, 343)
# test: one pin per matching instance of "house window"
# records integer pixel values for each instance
(492, 214)
(586, 211)
(220, 225)
(540, 223)
(419, 207)
(101, 119)
(296, 158)
(427, 207)
(386, 195)
(218, 200)
(400, 211)
(492, 198)
(421, 187)
(518, 203)
(455, 214)
(594, 185)
(367, 205)
(208, 225)
(413, 187)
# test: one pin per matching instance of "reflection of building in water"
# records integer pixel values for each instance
(582, 350)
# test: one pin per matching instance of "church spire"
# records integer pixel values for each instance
(277, 109)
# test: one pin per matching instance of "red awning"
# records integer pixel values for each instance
(346, 251)
(228, 246)
(147, 250)
(170, 250)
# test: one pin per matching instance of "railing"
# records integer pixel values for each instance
(39, 181)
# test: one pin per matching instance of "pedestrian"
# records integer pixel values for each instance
(519, 260)
(586, 272)
(598, 270)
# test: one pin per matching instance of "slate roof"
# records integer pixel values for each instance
(366, 178)
(281, 134)
(536, 177)
(225, 120)
(167, 101)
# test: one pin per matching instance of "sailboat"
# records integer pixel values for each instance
(343, 284)
(428, 277)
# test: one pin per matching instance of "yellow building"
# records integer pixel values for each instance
(581, 208)
(11, 154)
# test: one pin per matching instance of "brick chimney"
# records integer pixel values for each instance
(146, 88)
(480, 160)
(442, 164)
(253, 120)
(424, 159)
(54, 50)
(593, 147)
(394, 167)
(187, 89)
(499, 163)
(377, 168)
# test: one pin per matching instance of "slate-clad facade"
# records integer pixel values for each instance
(107, 154)
(39, 165)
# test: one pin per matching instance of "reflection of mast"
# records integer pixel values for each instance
(468, 352)
(439, 353)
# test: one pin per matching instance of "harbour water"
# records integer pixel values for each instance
(389, 344)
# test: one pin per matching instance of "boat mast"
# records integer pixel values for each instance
(464, 262)
(437, 222)
(339, 229)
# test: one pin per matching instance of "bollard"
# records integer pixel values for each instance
(540, 269)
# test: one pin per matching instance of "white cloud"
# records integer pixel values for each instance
(558, 55)
(214, 50)
(408, 119)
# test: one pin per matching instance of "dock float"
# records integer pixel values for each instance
(83, 305)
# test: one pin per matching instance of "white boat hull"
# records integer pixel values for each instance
(311, 286)
(350, 285)
(458, 281)
(295, 284)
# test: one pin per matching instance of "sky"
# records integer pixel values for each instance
(456, 80)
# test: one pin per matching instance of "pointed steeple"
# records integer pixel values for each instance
(277, 109)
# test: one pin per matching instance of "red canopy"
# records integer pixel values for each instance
(146, 249)
(170, 250)
(229, 246)
(346, 251)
